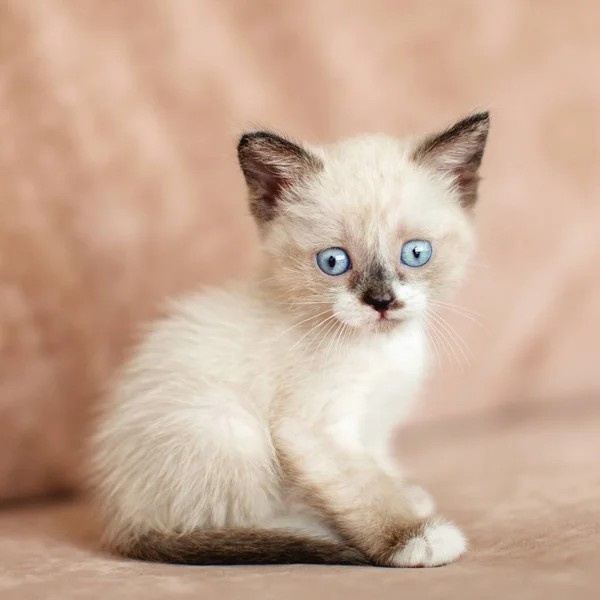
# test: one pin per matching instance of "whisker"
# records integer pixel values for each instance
(434, 346)
(318, 325)
(304, 321)
(329, 330)
(459, 311)
(443, 342)
(309, 303)
(454, 335)
(347, 335)
(463, 309)
(445, 335)
(335, 338)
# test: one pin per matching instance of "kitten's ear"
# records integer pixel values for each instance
(458, 152)
(271, 164)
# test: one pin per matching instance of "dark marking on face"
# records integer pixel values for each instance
(375, 288)
(354, 280)
(381, 299)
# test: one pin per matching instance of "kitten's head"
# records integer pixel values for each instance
(367, 230)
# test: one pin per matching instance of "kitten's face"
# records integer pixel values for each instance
(369, 231)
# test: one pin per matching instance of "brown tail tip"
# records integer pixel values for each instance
(239, 547)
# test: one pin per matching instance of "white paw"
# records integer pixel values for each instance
(421, 501)
(439, 544)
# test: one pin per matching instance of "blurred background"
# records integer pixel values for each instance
(119, 183)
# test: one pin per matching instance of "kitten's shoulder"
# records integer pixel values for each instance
(226, 312)
(198, 330)
(207, 305)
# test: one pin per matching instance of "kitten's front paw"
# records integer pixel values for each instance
(439, 543)
(420, 500)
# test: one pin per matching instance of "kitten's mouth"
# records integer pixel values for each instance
(389, 319)
(386, 320)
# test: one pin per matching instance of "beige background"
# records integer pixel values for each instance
(119, 184)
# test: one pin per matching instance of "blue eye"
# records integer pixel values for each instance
(416, 253)
(333, 261)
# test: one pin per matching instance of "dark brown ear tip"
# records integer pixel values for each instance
(479, 120)
(252, 136)
(483, 115)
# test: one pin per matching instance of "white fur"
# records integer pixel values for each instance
(440, 544)
(189, 435)
(187, 431)
(421, 499)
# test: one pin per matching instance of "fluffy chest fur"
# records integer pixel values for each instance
(330, 379)
(358, 390)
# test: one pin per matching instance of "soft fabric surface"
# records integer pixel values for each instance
(525, 490)
(119, 184)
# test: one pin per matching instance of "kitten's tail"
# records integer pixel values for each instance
(239, 547)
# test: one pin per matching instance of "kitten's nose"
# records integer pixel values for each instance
(380, 301)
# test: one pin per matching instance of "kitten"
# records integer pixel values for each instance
(253, 424)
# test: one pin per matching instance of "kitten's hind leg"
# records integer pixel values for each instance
(202, 487)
